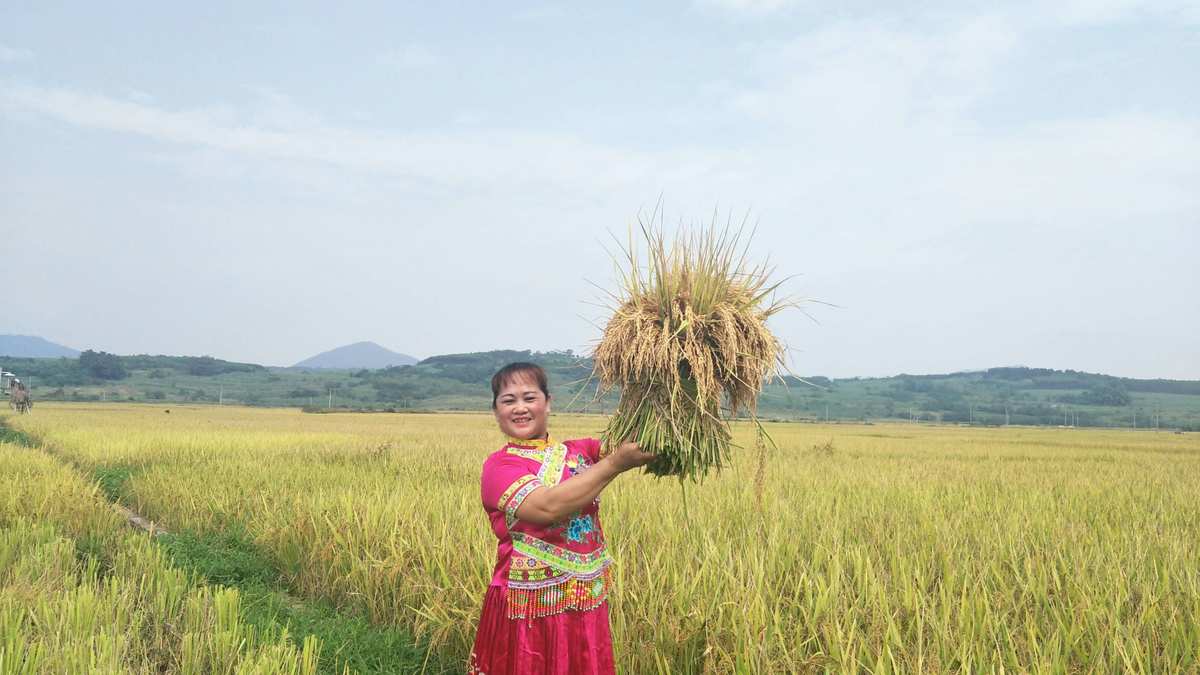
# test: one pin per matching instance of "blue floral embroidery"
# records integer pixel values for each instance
(579, 528)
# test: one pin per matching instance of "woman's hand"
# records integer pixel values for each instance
(629, 456)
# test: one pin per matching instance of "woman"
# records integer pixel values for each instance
(545, 610)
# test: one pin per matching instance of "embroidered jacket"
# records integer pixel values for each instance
(546, 569)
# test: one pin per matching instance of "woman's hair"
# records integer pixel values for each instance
(519, 370)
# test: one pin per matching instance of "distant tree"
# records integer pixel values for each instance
(102, 365)
(204, 365)
(1106, 394)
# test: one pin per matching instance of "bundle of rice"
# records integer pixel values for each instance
(689, 347)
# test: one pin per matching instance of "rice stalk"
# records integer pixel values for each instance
(688, 346)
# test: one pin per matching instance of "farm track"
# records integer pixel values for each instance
(132, 518)
(281, 605)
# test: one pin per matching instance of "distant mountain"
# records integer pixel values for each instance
(357, 356)
(33, 347)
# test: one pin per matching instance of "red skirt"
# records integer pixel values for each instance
(570, 643)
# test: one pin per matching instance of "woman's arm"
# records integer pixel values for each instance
(549, 505)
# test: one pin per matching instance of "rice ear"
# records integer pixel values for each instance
(687, 344)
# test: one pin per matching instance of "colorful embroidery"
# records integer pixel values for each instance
(545, 578)
(511, 490)
(551, 470)
(535, 443)
(579, 528)
(528, 453)
(533, 448)
(557, 556)
(553, 459)
(574, 594)
(510, 513)
(529, 573)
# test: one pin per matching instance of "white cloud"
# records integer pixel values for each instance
(283, 131)
(409, 57)
(846, 115)
(14, 54)
(272, 109)
(139, 96)
(1111, 11)
(469, 117)
(748, 6)
(877, 126)
(1072, 176)
(543, 13)
(845, 74)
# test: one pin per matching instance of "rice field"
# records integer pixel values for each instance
(81, 593)
(874, 548)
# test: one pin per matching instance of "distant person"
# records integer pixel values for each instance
(545, 610)
(18, 397)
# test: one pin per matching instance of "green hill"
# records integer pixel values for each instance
(1038, 396)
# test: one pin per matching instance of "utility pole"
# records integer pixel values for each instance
(221, 395)
(330, 397)
(1005, 414)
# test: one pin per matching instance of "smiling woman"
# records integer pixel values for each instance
(545, 610)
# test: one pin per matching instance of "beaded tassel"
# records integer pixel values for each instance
(574, 594)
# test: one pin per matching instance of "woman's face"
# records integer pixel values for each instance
(522, 410)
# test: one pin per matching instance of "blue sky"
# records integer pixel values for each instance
(973, 184)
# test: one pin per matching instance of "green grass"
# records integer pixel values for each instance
(348, 641)
(111, 480)
(10, 435)
(229, 558)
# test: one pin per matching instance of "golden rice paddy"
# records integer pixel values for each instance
(876, 548)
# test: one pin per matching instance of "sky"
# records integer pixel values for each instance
(945, 186)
